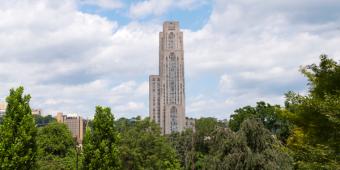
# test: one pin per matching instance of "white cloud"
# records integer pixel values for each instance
(248, 51)
(130, 109)
(257, 48)
(73, 63)
(226, 82)
(105, 4)
(145, 8)
(157, 8)
(130, 47)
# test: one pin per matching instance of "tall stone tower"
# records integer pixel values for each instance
(166, 90)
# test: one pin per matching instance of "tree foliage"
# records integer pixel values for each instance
(203, 128)
(252, 147)
(143, 147)
(100, 143)
(272, 116)
(323, 78)
(43, 120)
(184, 144)
(18, 133)
(56, 147)
(315, 143)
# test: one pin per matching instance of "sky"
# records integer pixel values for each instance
(72, 55)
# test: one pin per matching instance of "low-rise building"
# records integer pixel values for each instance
(76, 124)
(3, 106)
(36, 112)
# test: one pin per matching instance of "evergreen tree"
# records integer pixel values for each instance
(18, 133)
(100, 143)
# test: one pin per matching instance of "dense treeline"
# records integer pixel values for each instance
(301, 134)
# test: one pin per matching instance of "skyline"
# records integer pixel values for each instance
(73, 55)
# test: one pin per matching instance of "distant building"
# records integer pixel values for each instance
(76, 124)
(36, 112)
(190, 123)
(167, 89)
(3, 106)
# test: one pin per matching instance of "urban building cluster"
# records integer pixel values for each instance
(167, 89)
(76, 124)
(3, 106)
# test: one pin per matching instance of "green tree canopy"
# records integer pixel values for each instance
(184, 144)
(252, 147)
(272, 116)
(100, 143)
(143, 147)
(18, 133)
(315, 142)
(203, 129)
(191, 146)
(323, 78)
(43, 120)
(56, 147)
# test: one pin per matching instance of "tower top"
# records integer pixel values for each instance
(170, 26)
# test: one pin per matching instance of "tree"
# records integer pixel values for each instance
(252, 147)
(43, 120)
(272, 116)
(143, 147)
(309, 156)
(203, 129)
(56, 147)
(323, 78)
(315, 140)
(191, 145)
(18, 133)
(100, 143)
(184, 144)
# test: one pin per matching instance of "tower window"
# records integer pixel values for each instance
(171, 40)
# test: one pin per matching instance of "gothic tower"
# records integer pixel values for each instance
(166, 90)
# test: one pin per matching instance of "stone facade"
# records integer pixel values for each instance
(167, 90)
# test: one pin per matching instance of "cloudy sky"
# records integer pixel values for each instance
(72, 55)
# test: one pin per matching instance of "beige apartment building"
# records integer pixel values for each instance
(3, 106)
(76, 124)
(36, 112)
(167, 89)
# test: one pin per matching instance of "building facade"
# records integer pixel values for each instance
(167, 90)
(37, 112)
(76, 124)
(3, 106)
(190, 123)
